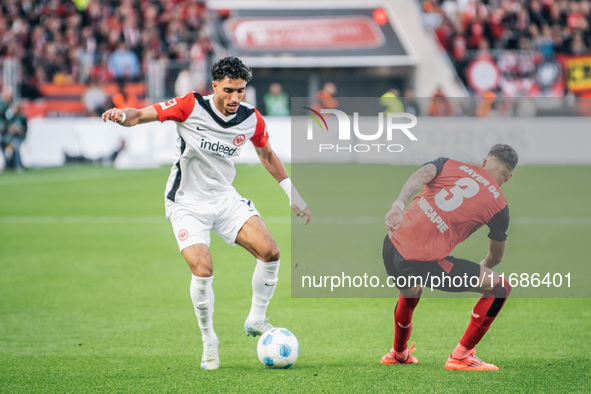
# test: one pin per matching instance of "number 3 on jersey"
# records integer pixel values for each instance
(464, 188)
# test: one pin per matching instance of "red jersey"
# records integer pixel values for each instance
(456, 203)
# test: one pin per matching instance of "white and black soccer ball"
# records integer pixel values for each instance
(278, 348)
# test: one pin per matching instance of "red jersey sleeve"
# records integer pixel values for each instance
(177, 109)
(260, 137)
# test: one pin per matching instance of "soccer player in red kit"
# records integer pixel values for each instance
(200, 198)
(457, 199)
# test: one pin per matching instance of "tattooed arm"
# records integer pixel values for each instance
(414, 184)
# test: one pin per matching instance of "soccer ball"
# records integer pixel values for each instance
(278, 348)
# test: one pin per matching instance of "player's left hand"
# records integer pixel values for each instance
(303, 212)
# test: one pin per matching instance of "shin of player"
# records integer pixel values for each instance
(266, 252)
(484, 313)
(265, 276)
(264, 281)
(203, 299)
(403, 324)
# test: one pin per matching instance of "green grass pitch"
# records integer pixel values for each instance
(95, 298)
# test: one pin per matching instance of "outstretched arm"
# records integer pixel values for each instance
(414, 184)
(276, 168)
(130, 116)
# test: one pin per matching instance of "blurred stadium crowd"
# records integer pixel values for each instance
(517, 35)
(99, 51)
(550, 26)
(98, 41)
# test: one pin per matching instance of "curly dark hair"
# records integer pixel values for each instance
(230, 67)
(506, 154)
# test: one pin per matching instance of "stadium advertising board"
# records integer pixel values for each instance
(323, 34)
(292, 35)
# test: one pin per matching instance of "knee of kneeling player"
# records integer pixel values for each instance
(502, 289)
(507, 287)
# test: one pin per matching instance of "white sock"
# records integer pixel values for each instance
(203, 298)
(264, 281)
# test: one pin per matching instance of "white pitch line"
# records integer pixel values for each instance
(50, 178)
(104, 219)
(80, 219)
(559, 220)
(552, 220)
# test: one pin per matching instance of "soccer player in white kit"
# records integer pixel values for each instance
(199, 193)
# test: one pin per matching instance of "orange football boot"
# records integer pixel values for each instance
(470, 363)
(390, 358)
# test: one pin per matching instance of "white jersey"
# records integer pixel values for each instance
(207, 146)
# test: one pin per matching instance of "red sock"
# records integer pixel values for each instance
(403, 321)
(484, 313)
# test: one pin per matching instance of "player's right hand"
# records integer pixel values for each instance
(393, 219)
(114, 115)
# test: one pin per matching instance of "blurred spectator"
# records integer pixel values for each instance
(100, 72)
(577, 45)
(5, 103)
(486, 104)
(191, 80)
(410, 103)
(14, 137)
(123, 63)
(545, 43)
(183, 83)
(122, 98)
(28, 87)
(95, 100)
(391, 101)
(431, 19)
(440, 104)
(276, 101)
(325, 98)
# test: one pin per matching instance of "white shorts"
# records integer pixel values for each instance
(226, 216)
